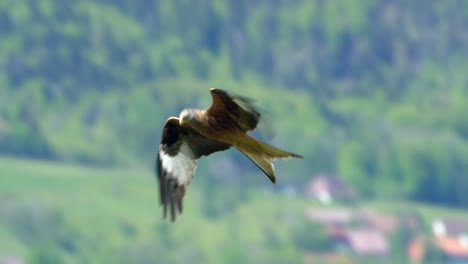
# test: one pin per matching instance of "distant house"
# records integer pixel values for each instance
(327, 188)
(365, 242)
(450, 227)
(451, 238)
(454, 249)
(369, 239)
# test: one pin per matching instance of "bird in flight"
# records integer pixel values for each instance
(201, 132)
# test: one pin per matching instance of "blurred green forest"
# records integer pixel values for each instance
(374, 91)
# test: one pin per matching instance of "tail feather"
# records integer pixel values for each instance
(264, 164)
(262, 154)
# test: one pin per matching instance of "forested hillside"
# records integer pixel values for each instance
(375, 91)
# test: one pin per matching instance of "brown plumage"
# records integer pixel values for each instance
(199, 133)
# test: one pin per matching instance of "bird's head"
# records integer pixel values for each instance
(190, 117)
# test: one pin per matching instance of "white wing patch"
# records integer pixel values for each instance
(175, 173)
(181, 166)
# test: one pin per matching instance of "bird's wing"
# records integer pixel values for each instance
(231, 112)
(179, 150)
(240, 108)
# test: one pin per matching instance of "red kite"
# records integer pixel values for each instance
(199, 133)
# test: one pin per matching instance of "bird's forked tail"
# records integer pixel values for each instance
(262, 154)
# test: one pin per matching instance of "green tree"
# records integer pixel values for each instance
(312, 237)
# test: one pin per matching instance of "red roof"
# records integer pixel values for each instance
(367, 242)
(416, 250)
(453, 246)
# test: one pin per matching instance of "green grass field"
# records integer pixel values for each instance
(100, 204)
(94, 201)
(113, 214)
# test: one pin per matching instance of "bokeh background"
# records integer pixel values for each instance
(372, 93)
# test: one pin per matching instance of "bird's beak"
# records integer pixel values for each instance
(181, 121)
